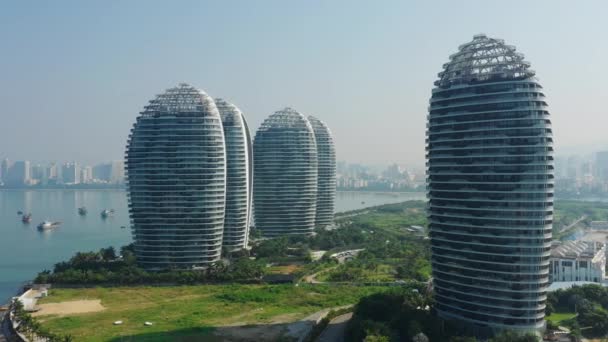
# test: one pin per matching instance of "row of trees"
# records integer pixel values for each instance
(406, 314)
(106, 267)
(390, 251)
(590, 302)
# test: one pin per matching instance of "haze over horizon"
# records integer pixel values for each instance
(74, 77)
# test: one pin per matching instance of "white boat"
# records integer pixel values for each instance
(46, 225)
(107, 213)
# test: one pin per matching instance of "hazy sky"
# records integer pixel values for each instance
(75, 74)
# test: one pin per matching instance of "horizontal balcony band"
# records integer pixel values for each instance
(448, 277)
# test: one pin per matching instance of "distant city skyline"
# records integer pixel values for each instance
(25, 173)
(74, 77)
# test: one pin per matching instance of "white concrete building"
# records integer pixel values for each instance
(578, 261)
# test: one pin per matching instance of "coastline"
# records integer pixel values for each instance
(376, 198)
(32, 199)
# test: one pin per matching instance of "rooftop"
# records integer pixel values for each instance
(577, 249)
(179, 100)
(483, 59)
(286, 118)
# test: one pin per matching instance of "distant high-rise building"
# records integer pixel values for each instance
(573, 170)
(70, 173)
(19, 173)
(601, 164)
(176, 172)
(239, 159)
(490, 189)
(103, 172)
(285, 175)
(393, 172)
(326, 187)
(4, 170)
(86, 174)
(52, 173)
(117, 172)
(560, 167)
(38, 174)
(112, 172)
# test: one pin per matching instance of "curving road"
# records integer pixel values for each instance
(334, 332)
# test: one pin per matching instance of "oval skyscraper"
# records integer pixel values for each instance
(239, 161)
(490, 189)
(176, 172)
(326, 188)
(285, 175)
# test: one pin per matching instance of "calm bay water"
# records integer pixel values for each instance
(24, 251)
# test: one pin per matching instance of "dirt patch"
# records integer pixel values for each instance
(284, 269)
(68, 308)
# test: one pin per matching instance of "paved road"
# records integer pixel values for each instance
(312, 279)
(335, 329)
(4, 332)
(574, 223)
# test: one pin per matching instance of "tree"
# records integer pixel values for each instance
(549, 309)
(420, 337)
(596, 318)
(271, 248)
(108, 254)
(376, 338)
(511, 336)
(463, 339)
(551, 325)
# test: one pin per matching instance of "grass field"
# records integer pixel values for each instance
(558, 317)
(191, 313)
(383, 273)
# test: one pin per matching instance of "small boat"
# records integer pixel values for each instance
(107, 213)
(27, 218)
(20, 212)
(46, 225)
(82, 211)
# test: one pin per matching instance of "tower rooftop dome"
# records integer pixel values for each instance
(285, 118)
(483, 59)
(230, 113)
(179, 100)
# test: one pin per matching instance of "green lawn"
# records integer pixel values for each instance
(189, 313)
(382, 273)
(558, 317)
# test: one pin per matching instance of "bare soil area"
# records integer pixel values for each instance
(71, 307)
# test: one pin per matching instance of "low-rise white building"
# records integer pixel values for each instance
(578, 261)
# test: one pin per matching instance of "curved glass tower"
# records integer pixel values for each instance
(285, 175)
(238, 181)
(176, 173)
(490, 189)
(326, 187)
